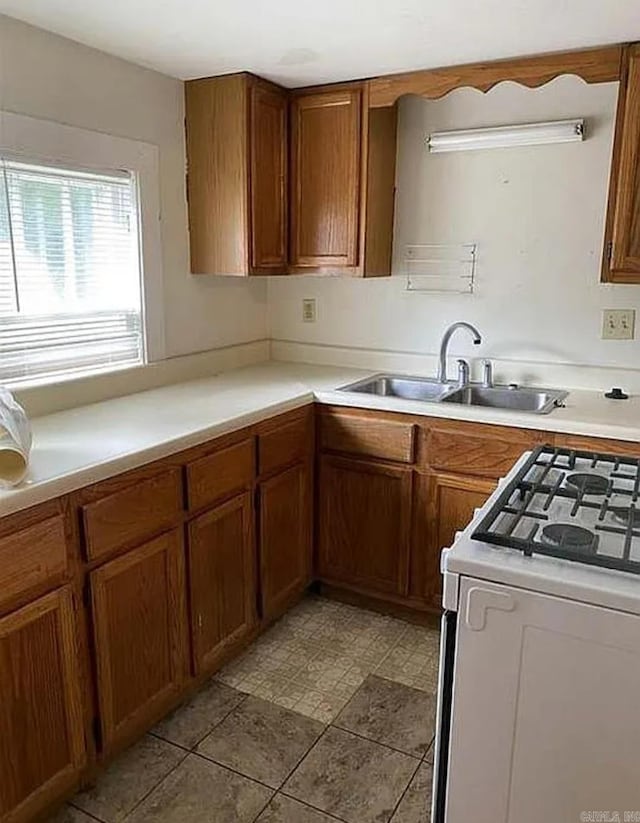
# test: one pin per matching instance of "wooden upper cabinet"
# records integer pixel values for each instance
(42, 748)
(268, 146)
(326, 149)
(288, 182)
(222, 580)
(139, 619)
(236, 134)
(622, 250)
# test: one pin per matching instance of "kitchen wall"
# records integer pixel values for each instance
(537, 215)
(49, 77)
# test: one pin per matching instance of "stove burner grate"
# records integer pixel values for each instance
(588, 483)
(626, 516)
(567, 535)
(525, 514)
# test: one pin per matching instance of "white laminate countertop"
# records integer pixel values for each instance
(84, 445)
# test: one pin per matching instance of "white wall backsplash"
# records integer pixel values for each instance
(537, 215)
(52, 78)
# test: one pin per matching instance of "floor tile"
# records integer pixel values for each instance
(410, 668)
(390, 713)
(324, 706)
(430, 753)
(70, 815)
(284, 809)
(354, 779)
(262, 740)
(415, 806)
(316, 656)
(199, 790)
(129, 778)
(195, 719)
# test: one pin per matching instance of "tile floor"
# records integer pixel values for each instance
(329, 716)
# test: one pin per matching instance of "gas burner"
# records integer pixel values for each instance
(568, 536)
(571, 504)
(587, 483)
(626, 515)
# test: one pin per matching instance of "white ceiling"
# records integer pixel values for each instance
(296, 42)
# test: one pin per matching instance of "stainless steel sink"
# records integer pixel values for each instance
(407, 388)
(516, 398)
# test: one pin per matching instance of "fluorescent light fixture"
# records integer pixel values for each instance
(497, 137)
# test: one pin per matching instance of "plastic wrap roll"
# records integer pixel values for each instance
(15, 440)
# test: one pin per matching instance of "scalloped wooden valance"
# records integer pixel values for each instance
(600, 65)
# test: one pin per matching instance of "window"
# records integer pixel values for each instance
(70, 282)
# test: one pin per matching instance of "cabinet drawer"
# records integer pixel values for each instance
(285, 445)
(470, 451)
(596, 444)
(32, 557)
(136, 512)
(220, 474)
(385, 439)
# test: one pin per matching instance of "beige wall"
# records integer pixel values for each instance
(49, 77)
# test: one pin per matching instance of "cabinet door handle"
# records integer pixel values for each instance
(480, 600)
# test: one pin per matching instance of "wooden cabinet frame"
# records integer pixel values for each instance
(621, 259)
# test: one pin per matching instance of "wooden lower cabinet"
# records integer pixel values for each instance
(42, 746)
(222, 580)
(284, 538)
(139, 621)
(443, 505)
(364, 524)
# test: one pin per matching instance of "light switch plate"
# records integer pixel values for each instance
(309, 310)
(618, 324)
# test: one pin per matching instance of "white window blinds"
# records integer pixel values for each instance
(70, 286)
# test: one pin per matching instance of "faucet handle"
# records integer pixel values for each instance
(463, 372)
(487, 374)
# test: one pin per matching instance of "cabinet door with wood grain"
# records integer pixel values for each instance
(443, 505)
(268, 202)
(326, 159)
(364, 524)
(622, 255)
(141, 642)
(285, 538)
(222, 580)
(42, 749)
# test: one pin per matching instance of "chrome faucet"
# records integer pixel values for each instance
(444, 345)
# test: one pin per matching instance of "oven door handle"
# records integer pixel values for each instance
(480, 601)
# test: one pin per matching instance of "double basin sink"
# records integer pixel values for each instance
(513, 398)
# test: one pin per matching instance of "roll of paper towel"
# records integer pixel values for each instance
(15, 440)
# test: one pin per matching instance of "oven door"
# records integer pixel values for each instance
(443, 715)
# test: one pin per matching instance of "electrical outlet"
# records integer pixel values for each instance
(618, 324)
(309, 310)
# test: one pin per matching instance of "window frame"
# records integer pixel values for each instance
(31, 140)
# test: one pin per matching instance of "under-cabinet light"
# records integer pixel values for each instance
(495, 137)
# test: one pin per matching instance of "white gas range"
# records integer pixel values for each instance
(539, 693)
